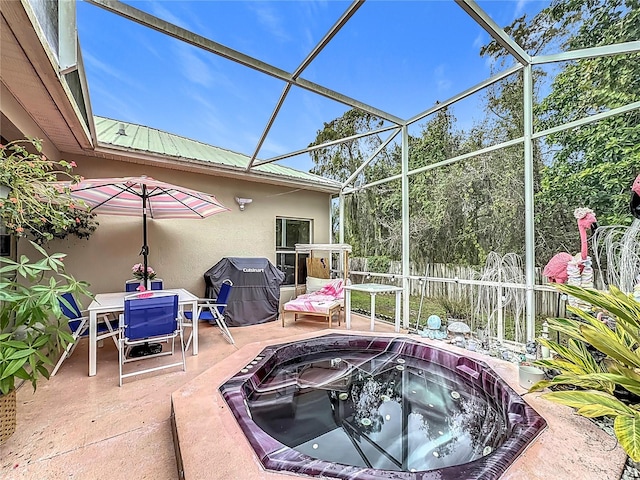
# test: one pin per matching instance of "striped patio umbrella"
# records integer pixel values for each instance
(143, 196)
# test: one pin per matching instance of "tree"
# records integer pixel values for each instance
(341, 160)
(462, 212)
(593, 165)
(363, 229)
(597, 162)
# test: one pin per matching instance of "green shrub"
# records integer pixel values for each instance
(378, 264)
(31, 319)
(459, 308)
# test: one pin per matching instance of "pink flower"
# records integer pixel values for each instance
(138, 271)
(73, 164)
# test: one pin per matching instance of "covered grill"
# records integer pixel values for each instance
(255, 295)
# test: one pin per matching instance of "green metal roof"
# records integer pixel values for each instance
(116, 133)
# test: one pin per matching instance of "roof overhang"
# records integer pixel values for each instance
(30, 74)
(109, 152)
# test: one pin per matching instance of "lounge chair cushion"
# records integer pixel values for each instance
(322, 301)
(314, 284)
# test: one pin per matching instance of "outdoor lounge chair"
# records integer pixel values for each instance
(327, 302)
(212, 310)
(149, 317)
(79, 325)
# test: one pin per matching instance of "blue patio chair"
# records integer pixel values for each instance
(79, 326)
(150, 317)
(212, 311)
(132, 285)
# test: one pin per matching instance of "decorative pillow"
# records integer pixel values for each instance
(334, 288)
(314, 284)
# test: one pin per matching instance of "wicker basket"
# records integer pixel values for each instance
(7, 415)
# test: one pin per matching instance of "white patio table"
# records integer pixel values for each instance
(372, 289)
(114, 303)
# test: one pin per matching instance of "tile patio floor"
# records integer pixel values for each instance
(80, 427)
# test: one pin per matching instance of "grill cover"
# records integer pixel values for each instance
(255, 296)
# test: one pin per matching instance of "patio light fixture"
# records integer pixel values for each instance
(242, 202)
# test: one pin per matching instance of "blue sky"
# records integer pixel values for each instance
(398, 56)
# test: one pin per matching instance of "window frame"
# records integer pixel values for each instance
(280, 250)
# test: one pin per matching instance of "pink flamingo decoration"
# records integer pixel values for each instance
(635, 198)
(563, 265)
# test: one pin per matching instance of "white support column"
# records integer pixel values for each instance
(529, 226)
(341, 218)
(405, 226)
(500, 307)
(67, 36)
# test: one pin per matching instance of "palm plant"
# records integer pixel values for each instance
(606, 387)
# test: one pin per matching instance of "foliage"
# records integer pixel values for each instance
(379, 264)
(595, 164)
(341, 160)
(458, 308)
(366, 227)
(31, 320)
(460, 212)
(34, 205)
(601, 386)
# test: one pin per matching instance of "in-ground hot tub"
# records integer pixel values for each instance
(361, 407)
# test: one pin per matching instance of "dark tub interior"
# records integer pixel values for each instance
(357, 407)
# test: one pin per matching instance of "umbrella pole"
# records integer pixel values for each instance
(147, 348)
(145, 247)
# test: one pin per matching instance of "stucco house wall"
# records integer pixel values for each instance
(182, 250)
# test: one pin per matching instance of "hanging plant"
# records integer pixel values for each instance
(30, 204)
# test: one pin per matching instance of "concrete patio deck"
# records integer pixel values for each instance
(80, 427)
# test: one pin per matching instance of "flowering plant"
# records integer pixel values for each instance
(138, 272)
(31, 203)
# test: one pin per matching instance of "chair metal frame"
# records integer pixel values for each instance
(71, 310)
(131, 304)
(216, 309)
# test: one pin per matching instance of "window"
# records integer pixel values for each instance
(290, 231)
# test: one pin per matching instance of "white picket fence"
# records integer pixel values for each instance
(456, 282)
